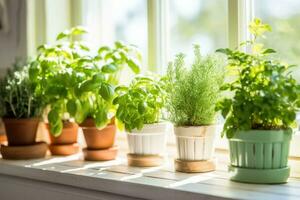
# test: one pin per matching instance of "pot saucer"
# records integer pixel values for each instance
(139, 160)
(191, 166)
(101, 154)
(37, 150)
(3, 138)
(64, 149)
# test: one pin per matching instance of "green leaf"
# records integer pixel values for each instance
(62, 35)
(268, 51)
(88, 85)
(56, 129)
(121, 89)
(54, 117)
(142, 107)
(106, 91)
(79, 30)
(80, 115)
(101, 118)
(98, 78)
(33, 70)
(103, 49)
(109, 68)
(226, 51)
(134, 65)
(84, 47)
(71, 107)
(119, 44)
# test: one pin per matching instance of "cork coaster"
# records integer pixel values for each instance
(191, 166)
(139, 160)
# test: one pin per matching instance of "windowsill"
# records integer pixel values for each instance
(115, 177)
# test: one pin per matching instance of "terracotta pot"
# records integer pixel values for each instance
(68, 136)
(2, 138)
(21, 131)
(99, 138)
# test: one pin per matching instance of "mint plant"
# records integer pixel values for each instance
(78, 82)
(194, 90)
(140, 103)
(264, 94)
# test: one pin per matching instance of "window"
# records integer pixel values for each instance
(197, 22)
(284, 18)
(164, 28)
(127, 22)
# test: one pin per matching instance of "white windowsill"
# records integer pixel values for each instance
(115, 177)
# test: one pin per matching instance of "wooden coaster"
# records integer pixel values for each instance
(101, 154)
(139, 160)
(37, 150)
(64, 149)
(195, 166)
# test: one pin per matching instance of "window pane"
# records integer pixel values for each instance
(198, 22)
(284, 17)
(117, 20)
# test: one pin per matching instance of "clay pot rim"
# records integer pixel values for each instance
(4, 119)
(64, 121)
(94, 127)
(89, 122)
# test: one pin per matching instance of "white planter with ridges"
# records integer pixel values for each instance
(195, 142)
(151, 140)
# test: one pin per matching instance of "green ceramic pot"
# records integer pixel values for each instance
(260, 156)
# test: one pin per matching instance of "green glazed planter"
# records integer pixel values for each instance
(260, 156)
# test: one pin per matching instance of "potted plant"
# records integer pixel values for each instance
(20, 110)
(139, 113)
(88, 89)
(55, 70)
(192, 94)
(96, 93)
(260, 112)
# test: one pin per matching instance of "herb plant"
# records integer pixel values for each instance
(18, 99)
(78, 82)
(193, 92)
(140, 103)
(265, 95)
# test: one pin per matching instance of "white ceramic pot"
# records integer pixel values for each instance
(151, 140)
(195, 142)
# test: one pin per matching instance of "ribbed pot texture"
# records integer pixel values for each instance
(260, 149)
(151, 140)
(195, 143)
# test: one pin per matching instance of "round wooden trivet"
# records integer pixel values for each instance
(189, 166)
(139, 160)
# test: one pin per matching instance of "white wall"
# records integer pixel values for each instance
(13, 43)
